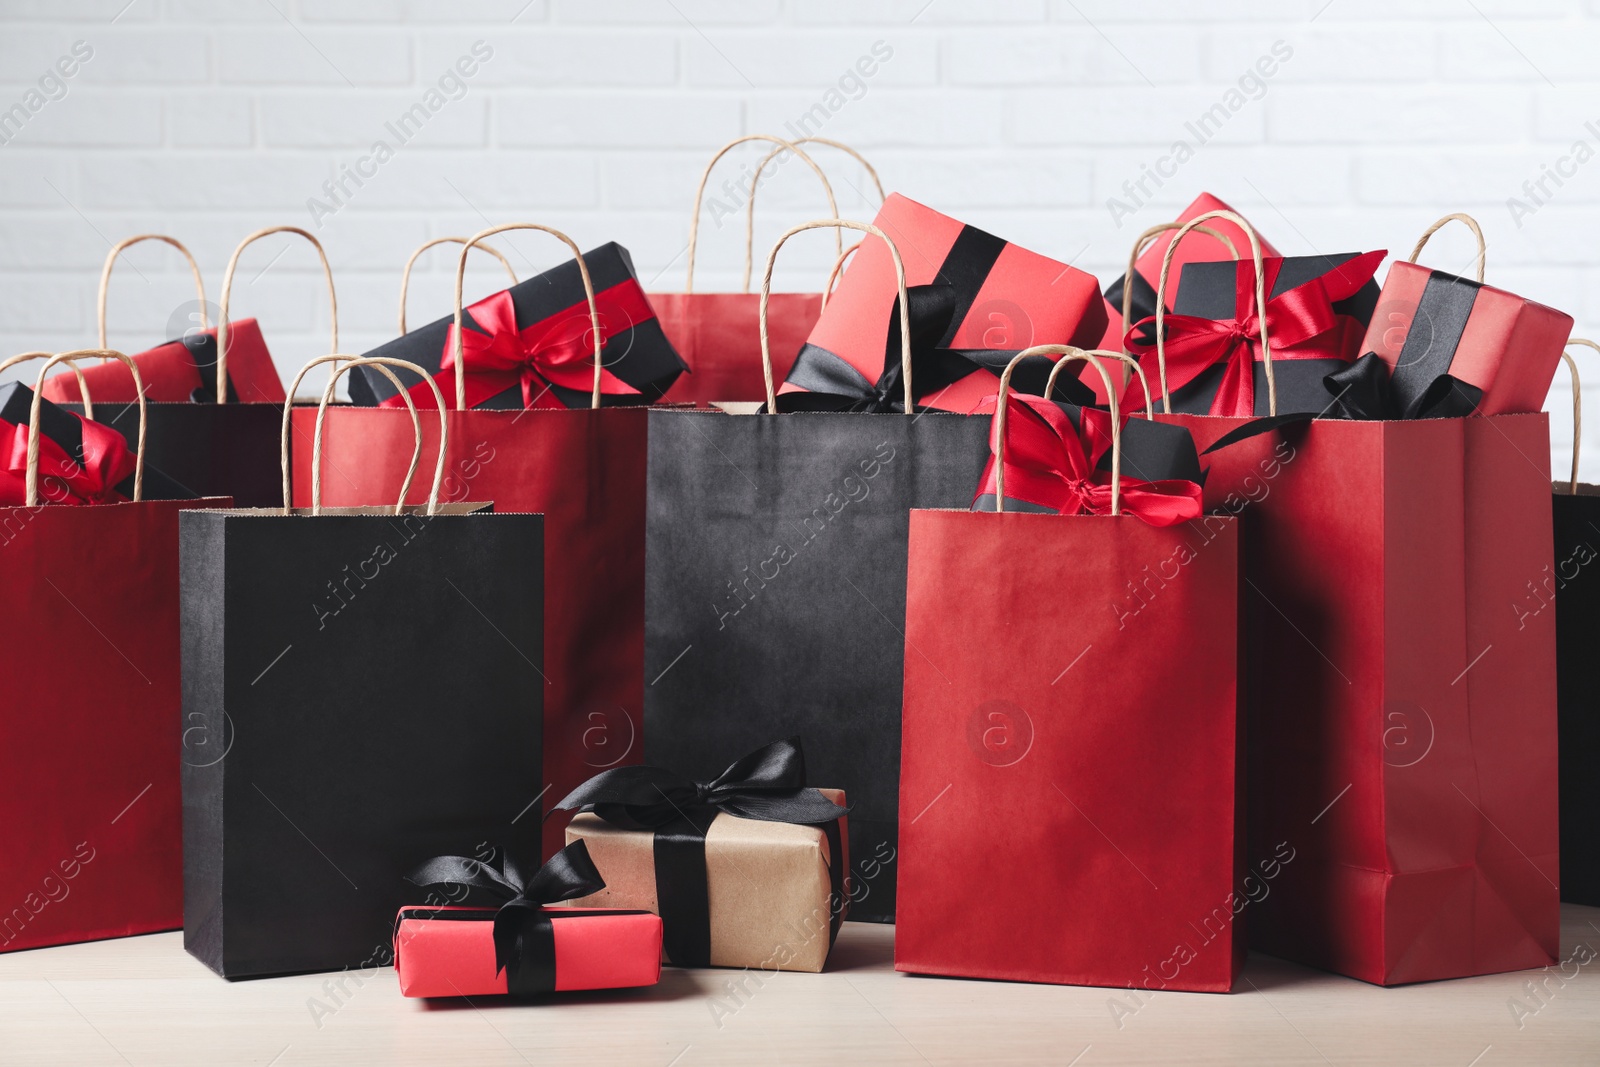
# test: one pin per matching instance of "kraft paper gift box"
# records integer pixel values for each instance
(732, 891)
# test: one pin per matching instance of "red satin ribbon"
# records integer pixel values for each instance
(1052, 463)
(1301, 324)
(556, 350)
(107, 461)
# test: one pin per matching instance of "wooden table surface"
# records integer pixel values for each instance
(142, 1000)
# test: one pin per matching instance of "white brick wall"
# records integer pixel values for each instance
(207, 119)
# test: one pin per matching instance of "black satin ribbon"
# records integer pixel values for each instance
(203, 350)
(524, 937)
(768, 784)
(936, 312)
(1430, 347)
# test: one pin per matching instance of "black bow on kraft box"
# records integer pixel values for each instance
(1317, 310)
(80, 461)
(746, 870)
(452, 951)
(531, 345)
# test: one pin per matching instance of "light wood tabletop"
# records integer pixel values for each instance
(142, 1000)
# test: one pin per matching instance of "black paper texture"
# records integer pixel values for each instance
(360, 693)
(205, 449)
(1576, 590)
(775, 597)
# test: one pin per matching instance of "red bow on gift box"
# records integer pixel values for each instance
(558, 350)
(107, 461)
(1301, 324)
(1054, 464)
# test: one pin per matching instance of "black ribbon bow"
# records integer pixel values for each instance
(1366, 390)
(768, 784)
(524, 943)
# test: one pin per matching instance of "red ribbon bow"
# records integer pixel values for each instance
(1052, 463)
(107, 461)
(558, 350)
(1301, 324)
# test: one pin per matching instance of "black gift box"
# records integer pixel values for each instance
(636, 350)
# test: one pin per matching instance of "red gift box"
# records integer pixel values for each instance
(1430, 323)
(450, 952)
(975, 302)
(175, 370)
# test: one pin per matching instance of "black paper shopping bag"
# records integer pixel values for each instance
(1574, 588)
(362, 690)
(775, 578)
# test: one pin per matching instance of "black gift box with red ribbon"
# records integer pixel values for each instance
(531, 345)
(80, 462)
(1318, 308)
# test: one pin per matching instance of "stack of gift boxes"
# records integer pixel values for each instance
(1089, 635)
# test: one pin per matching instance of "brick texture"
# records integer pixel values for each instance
(379, 123)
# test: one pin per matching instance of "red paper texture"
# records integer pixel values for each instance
(168, 373)
(1402, 715)
(1510, 348)
(89, 795)
(585, 472)
(719, 336)
(455, 958)
(1070, 751)
(1025, 300)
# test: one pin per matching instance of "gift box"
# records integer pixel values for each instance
(1501, 349)
(975, 301)
(80, 461)
(1059, 459)
(1317, 309)
(532, 346)
(183, 370)
(750, 876)
(522, 947)
(1146, 268)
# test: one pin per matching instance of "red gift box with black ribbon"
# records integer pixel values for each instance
(1499, 350)
(183, 370)
(1317, 309)
(525, 947)
(975, 301)
(532, 345)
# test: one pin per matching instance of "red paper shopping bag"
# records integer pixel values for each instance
(1069, 757)
(716, 333)
(584, 469)
(93, 738)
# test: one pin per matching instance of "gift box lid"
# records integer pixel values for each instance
(180, 371)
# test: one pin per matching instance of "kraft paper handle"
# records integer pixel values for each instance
(405, 275)
(350, 363)
(316, 472)
(588, 291)
(1261, 304)
(1577, 405)
(833, 275)
(1070, 355)
(83, 386)
(32, 483)
(111, 259)
(900, 279)
(1471, 224)
(1064, 350)
(755, 182)
(1141, 244)
(705, 176)
(227, 293)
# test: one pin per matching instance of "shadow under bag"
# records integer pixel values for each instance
(370, 684)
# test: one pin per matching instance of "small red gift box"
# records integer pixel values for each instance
(1494, 343)
(450, 952)
(176, 370)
